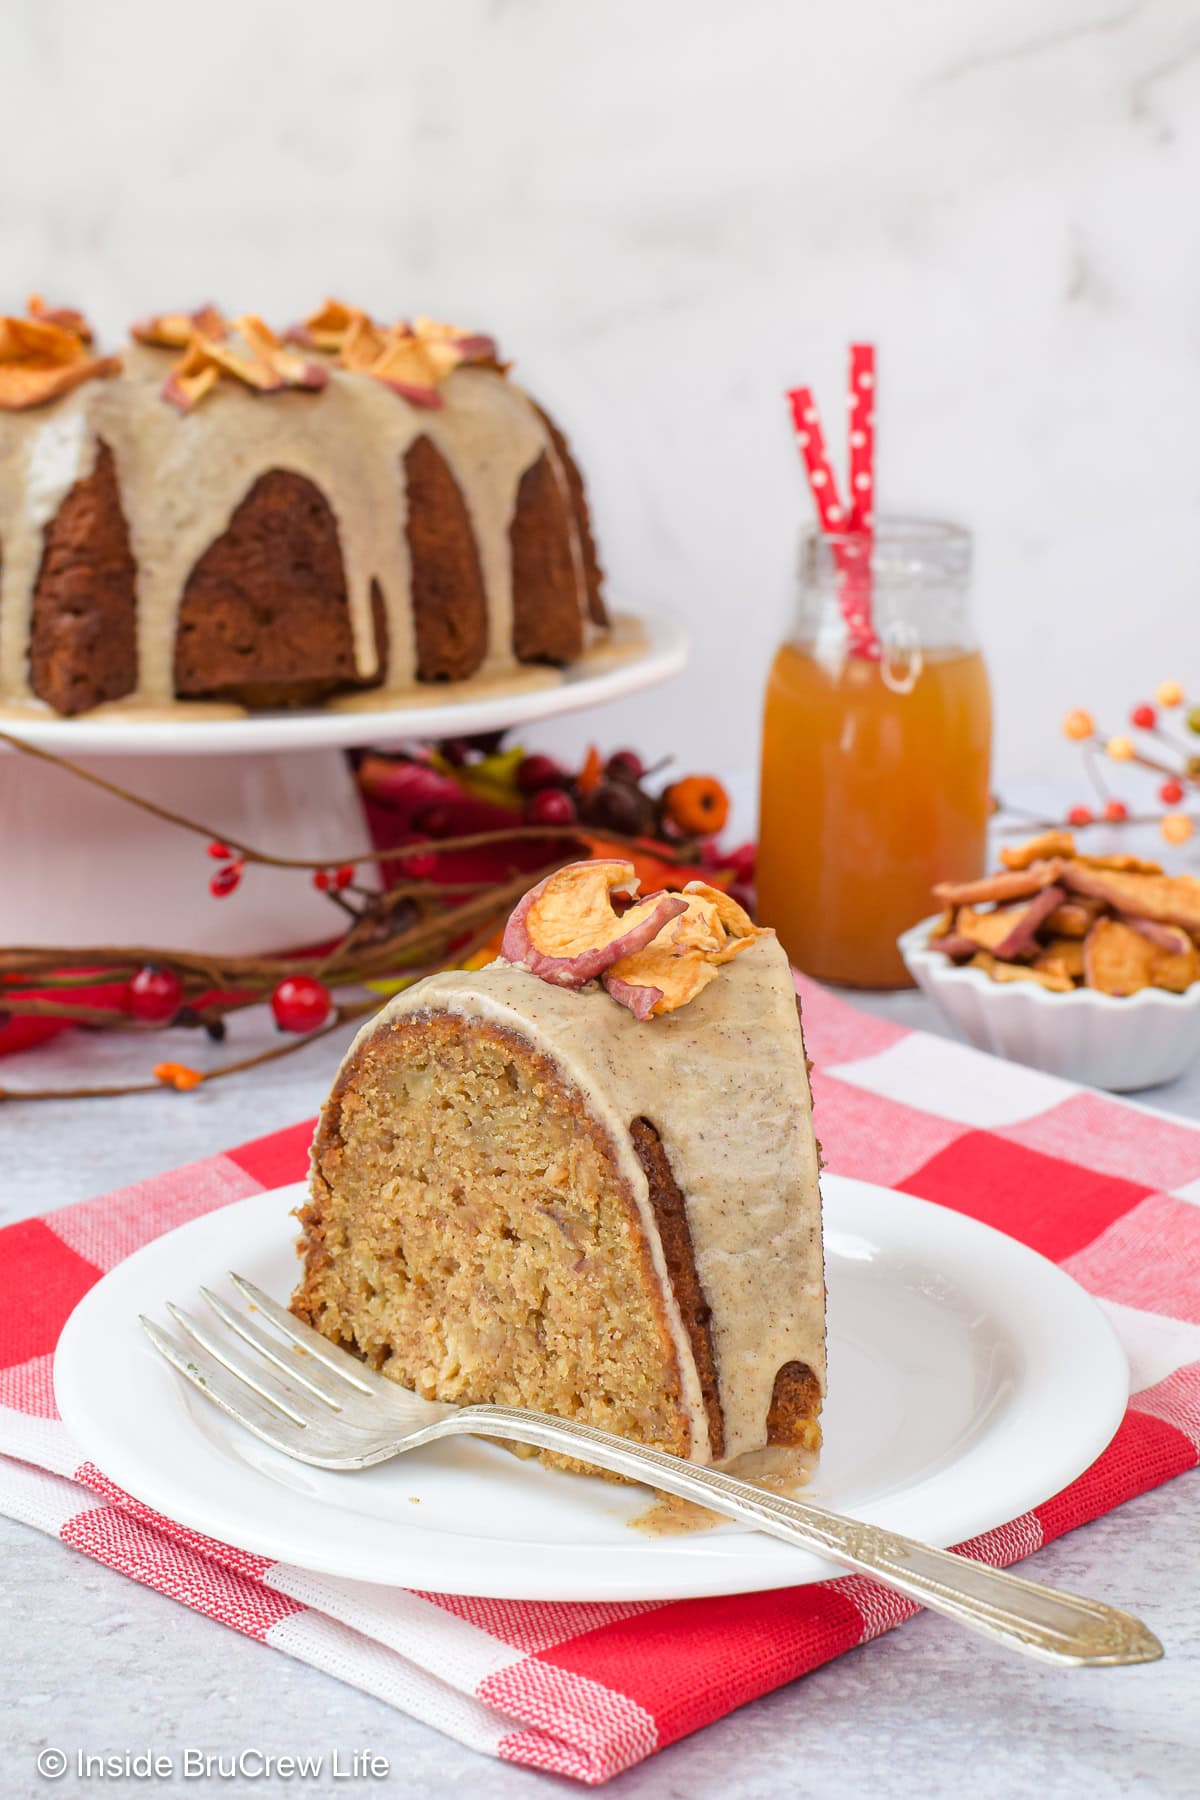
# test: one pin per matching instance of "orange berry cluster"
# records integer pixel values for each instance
(1080, 727)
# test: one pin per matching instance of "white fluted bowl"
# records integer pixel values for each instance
(1098, 1039)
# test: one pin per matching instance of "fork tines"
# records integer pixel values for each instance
(294, 1389)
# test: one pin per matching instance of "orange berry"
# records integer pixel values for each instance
(1120, 749)
(177, 1075)
(1079, 725)
(1169, 693)
(1176, 828)
(698, 804)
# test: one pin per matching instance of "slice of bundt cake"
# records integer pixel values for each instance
(584, 1178)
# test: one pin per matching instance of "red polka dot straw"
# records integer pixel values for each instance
(811, 442)
(861, 437)
(854, 514)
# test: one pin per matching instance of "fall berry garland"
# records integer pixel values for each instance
(459, 831)
(1171, 758)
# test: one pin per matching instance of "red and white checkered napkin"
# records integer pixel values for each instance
(1106, 1190)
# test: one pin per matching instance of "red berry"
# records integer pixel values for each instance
(324, 879)
(219, 852)
(153, 995)
(456, 751)
(617, 806)
(225, 880)
(550, 806)
(419, 866)
(301, 1003)
(1080, 815)
(537, 772)
(625, 765)
(1144, 717)
(1115, 811)
(1171, 793)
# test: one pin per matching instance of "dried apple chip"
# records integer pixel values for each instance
(1175, 970)
(41, 360)
(23, 385)
(68, 317)
(174, 331)
(1013, 884)
(1062, 956)
(36, 340)
(1122, 865)
(1116, 959)
(1175, 964)
(328, 327)
(1038, 849)
(191, 378)
(1008, 930)
(362, 345)
(1171, 938)
(1169, 899)
(954, 945)
(467, 346)
(258, 358)
(739, 927)
(406, 365)
(413, 360)
(1007, 971)
(1073, 919)
(253, 356)
(686, 956)
(567, 931)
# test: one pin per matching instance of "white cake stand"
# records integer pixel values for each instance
(82, 868)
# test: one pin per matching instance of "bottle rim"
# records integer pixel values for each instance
(902, 531)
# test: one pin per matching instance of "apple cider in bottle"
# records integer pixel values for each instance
(875, 765)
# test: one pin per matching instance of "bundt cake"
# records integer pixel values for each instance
(221, 517)
(584, 1178)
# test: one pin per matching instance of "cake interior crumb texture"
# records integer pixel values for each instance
(469, 1234)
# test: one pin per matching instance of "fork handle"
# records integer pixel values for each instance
(1023, 1615)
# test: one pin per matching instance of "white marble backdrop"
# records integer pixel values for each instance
(669, 211)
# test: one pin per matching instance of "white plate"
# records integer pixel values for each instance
(969, 1380)
(594, 682)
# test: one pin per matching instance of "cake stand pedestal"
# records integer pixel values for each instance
(84, 868)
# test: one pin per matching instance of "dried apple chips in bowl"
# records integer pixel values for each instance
(1084, 966)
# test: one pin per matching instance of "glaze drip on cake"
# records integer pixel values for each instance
(182, 478)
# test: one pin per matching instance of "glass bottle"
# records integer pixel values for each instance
(875, 764)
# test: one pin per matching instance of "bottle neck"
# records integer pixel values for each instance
(910, 581)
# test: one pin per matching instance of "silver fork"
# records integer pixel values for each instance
(314, 1402)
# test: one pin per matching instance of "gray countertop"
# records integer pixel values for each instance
(94, 1661)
